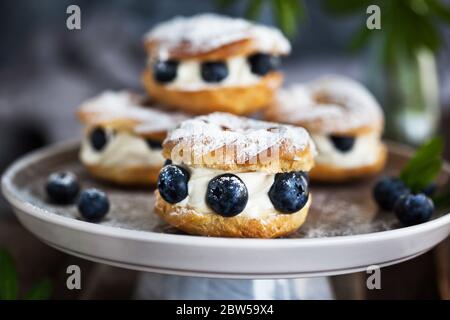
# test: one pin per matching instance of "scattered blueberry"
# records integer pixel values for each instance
(289, 192)
(413, 209)
(214, 71)
(430, 190)
(262, 63)
(93, 204)
(98, 138)
(343, 143)
(62, 187)
(173, 183)
(227, 195)
(153, 144)
(388, 190)
(165, 71)
(167, 162)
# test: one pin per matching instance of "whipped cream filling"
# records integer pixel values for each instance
(365, 151)
(123, 150)
(189, 76)
(258, 185)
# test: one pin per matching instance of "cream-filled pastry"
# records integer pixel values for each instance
(235, 177)
(345, 122)
(122, 137)
(209, 63)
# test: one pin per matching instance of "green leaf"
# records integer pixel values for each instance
(40, 291)
(285, 17)
(424, 166)
(298, 8)
(8, 277)
(253, 10)
(439, 9)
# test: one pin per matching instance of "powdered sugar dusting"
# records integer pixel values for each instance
(112, 105)
(206, 32)
(248, 137)
(329, 104)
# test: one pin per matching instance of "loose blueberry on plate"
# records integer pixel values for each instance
(413, 209)
(227, 195)
(153, 144)
(262, 63)
(289, 192)
(93, 205)
(388, 190)
(98, 138)
(214, 71)
(173, 183)
(343, 143)
(62, 187)
(165, 71)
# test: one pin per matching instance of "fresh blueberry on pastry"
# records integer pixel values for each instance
(123, 136)
(214, 71)
(345, 122)
(165, 71)
(172, 183)
(261, 63)
(289, 192)
(343, 143)
(209, 63)
(98, 138)
(227, 195)
(246, 178)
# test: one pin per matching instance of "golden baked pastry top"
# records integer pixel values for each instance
(228, 142)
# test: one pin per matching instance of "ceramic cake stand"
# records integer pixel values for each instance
(344, 233)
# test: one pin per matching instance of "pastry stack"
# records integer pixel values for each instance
(218, 172)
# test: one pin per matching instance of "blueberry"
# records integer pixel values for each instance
(413, 209)
(227, 195)
(289, 191)
(214, 71)
(388, 190)
(430, 190)
(98, 138)
(343, 143)
(173, 183)
(262, 63)
(167, 162)
(165, 71)
(62, 187)
(93, 204)
(153, 144)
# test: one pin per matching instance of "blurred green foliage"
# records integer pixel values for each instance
(406, 25)
(9, 281)
(287, 13)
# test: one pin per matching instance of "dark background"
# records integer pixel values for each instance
(47, 70)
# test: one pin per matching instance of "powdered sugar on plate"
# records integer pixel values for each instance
(206, 32)
(112, 105)
(329, 104)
